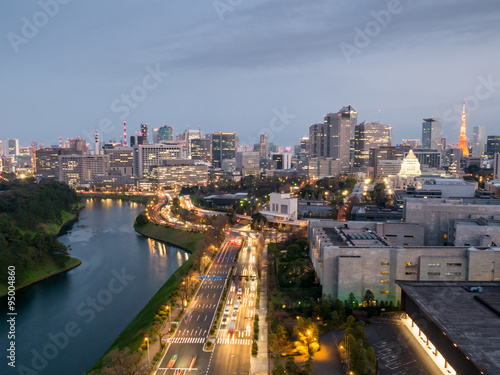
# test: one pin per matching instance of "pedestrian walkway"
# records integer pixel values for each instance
(233, 341)
(186, 340)
(260, 364)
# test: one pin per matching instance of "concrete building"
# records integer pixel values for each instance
(479, 232)
(412, 143)
(492, 145)
(449, 187)
(281, 207)
(339, 126)
(121, 160)
(386, 168)
(479, 141)
(496, 167)
(46, 161)
(223, 147)
(370, 135)
(13, 147)
(456, 322)
(201, 149)
(79, 145)
(78, 170)
(282, 160)
(248, 163)
(352, 258)
(428, 158)
(314, 168)
(148, 157)
(163, 133)
(432, 133)
(437, 214)
(183, 173)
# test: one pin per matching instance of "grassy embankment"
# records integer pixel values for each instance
(132, 335)
(48, 267)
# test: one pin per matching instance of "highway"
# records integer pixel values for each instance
(232, 351)
(185, 351)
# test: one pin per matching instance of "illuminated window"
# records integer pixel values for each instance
(384, 281)
(384, 272)
(433, 273)
(434, 264)
(453, 273)
(384, 263)
(384, 292)
(445, 236)
(454, 264)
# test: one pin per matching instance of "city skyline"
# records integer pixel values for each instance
(206, 66)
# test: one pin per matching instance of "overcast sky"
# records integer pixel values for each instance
(245, 66)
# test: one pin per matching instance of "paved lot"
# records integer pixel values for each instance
(397, 350)
(327, 360)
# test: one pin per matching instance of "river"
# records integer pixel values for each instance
(65, 323)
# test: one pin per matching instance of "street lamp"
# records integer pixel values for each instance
(147, 346)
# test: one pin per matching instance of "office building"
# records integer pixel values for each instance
(282, 161)
(432, 133)
(496, 167)
(263, 146)
(183, 173)
(201, 149)
(121, 160)
(353, 257)
(428, 158)
(282, 207)
(144, 134)
(436, 214)
(78, 170)
(79, 145)
(46, 161)
(318, 140)
(370, 135)
(492, 145)
(13, 147)
(479, 141)
(150, 156)
(413, 143)
(164, 133)
(248, 163)
(315, 168)
(223, 147)
(338, 129)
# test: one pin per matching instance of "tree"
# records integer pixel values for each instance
(307, 334)
(279, 340)
(278, 368)
(291, 366)
(369, 297)
(293, 252)
(157, 329)
(121, 362)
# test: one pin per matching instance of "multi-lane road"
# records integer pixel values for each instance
(231, 353)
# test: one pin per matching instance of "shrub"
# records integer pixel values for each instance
(255, 349)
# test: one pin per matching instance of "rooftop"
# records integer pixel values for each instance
(343, 237)
(472, 322)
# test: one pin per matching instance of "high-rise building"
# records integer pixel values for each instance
(496, 167)
(79, 144)
(492, 145)
(149, 157)
(201, 149)
(479, 141)
(144, 133)
(46, 161)
(13, 147)
(338, 132)
(189, 135)
(432, 132)
(80, 169)
(263, 146)
(248, 162)
(223, 147)
(413, 143)
(183, 173)
(428, 158)
(282, 161)
(370, 135)
(304, 144)
(165, 133)
(121, 160)
(462, 143)
(318, 141)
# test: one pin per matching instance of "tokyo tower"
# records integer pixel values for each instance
(462, 143)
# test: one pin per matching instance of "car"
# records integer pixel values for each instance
(233, 317)
(239, 291)
(224, 321)
(239, 298)
(226, 311)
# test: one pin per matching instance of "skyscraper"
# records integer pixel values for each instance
(223, 147)
(492, 145)
(201, 149)
(144, 133)
(338, 132)
(317, 141)
(432, 132)
(478, 141)
(13, 147)
(462, 143)
(165, 133)
(370, 135)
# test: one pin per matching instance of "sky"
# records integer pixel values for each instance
(68, 67)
